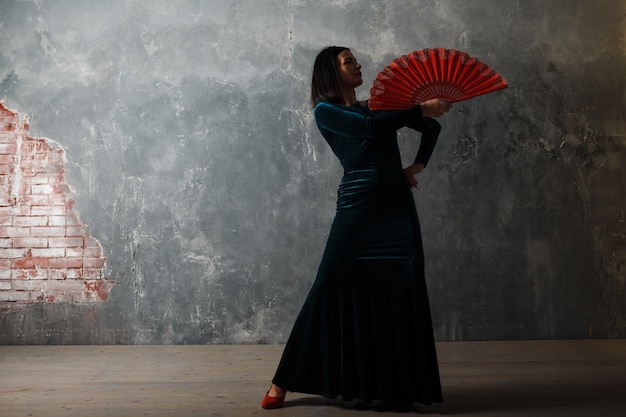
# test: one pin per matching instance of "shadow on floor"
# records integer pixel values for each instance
(560, 398)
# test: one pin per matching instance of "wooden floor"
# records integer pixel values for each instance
(553, 378)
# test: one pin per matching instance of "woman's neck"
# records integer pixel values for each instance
(349, 97)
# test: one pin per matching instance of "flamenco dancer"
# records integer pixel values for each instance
(365, 331)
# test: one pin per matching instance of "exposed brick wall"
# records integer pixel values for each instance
(46, 254)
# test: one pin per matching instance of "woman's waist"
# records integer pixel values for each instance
(371, 177)
(359, 189)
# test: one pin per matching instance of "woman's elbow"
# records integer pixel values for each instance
(430, 125)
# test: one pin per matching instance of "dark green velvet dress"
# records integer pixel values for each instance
(365, 331)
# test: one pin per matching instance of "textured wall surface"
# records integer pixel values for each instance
(194, 161)
(45, 253)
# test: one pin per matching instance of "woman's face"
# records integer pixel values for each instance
(349, 70)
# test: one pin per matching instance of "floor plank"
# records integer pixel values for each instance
(527, 378)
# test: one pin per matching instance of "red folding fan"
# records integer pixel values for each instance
(432, 73)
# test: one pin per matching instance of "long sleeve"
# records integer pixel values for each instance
(429, 128)
(336, 119)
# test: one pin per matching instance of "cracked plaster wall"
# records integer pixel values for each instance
(196, 164)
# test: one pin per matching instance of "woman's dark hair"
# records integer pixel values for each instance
(325, 80)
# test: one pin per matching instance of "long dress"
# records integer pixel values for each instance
(365, 329)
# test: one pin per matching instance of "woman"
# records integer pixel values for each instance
(365, 331)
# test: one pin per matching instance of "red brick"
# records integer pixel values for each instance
(99, 288)
(42, 145)
(6, 199)
(50, 287)
(57, 220)
(59, 263)
(10, 231)
(76, 252)
(30, 263)
(41, 165)
(44, 189)
(46, 253)
(56, 157)
(71, 273)
(8, 148)
(34, 200)
(12, 253)
(30, 242)
(19, 275)
(14, 211)
(48, 210)
(73, 290)
(26, 166)
(49, 231)
(30, 275)
(28, 147)
(49, 253)
(30, 221)
(14, 296)
(94, 262)
(25, 189)
(42, 161)
(37, 296)
(65, 242)
(6, 169)
(7, 159)
(59, 200)
(92, 273)
(37, 274)
(26, 285)
(56, 177)
(37, 179)
(61, 273)
(92, 252)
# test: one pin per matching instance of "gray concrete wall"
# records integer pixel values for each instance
(195, 161)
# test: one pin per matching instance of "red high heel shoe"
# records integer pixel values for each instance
(270, 403)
